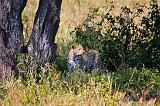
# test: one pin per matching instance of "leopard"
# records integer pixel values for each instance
(92, 60)
(86, 60)
(75, 57)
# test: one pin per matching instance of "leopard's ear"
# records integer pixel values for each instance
(79, 45)
(73, 46)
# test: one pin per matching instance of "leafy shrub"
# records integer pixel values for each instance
(120, 38)
(61, 63)
(35, 72)
(136, 81)
(137, 84)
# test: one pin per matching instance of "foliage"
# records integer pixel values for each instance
(133, 80)
(102, 88)
(120, 37)
(80, 88)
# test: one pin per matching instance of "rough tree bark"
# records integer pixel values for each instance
(41, 46)
(11, 35)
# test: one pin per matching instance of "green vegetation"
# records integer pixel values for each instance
(128, 40)
(80, 88)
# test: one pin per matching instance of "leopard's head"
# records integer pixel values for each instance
(78, 50)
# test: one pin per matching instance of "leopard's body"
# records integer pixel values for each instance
(79, 59)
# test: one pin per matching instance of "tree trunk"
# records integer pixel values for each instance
(41, 45)
(11, 35)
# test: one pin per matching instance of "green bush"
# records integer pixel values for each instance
(133, 80)
(120, 38)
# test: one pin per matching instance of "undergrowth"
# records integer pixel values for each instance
(80, 88)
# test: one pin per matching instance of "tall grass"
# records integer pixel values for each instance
(81, 89)
(78, 89)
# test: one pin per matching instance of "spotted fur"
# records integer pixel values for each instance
(87, 61)
(75, 57)
(92, 60)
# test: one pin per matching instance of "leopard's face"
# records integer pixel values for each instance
(78, 50)
(75, 57)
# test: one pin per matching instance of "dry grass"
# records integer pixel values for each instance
(59, 92)
(82, 89)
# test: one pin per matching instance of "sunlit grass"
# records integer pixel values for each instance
(81, 89)
(57, 89)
